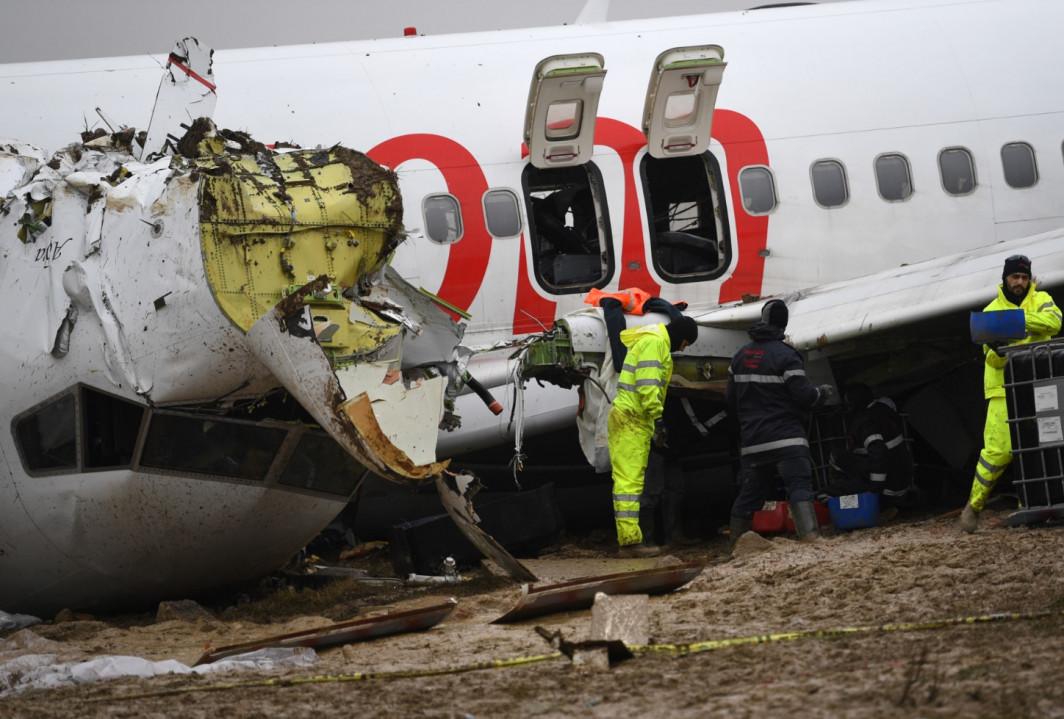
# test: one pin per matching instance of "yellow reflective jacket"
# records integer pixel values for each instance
(646, 372)
(1042, 319)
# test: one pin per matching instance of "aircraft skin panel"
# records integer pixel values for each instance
(414, 96)
(138, 535)
(831, 314)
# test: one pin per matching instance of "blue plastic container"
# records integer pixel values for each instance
(854, 511)
(998, 326)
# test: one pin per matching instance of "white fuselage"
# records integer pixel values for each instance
(846, 82)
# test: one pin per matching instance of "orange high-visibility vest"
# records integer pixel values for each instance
(631, 299)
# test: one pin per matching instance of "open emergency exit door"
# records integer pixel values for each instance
(678, 114)
(562, 106)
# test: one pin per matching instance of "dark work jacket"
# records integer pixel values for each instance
(769, 393)
(877, 431)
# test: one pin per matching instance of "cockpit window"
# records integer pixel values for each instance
(688, 232)
(568, 227)
(212, 446)
(110, 426)
(47, 436)
(321, 465)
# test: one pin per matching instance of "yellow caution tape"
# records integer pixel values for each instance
(637, 649)
(835, 632)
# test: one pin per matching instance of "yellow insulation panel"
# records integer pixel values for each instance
(273, 221)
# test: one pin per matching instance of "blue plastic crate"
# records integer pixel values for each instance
(854, 511)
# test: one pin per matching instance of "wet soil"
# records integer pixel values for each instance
(903, 572)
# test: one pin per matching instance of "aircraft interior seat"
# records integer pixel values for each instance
(576, 269)
(683, 252)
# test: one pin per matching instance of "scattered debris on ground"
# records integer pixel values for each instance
(910, 618)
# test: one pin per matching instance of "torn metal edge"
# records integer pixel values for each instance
(456, 492)
(580, 593)
(356, 630)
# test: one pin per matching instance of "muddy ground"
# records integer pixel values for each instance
(908, 571)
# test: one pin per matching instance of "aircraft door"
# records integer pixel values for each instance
(562, 107)
(678, 114)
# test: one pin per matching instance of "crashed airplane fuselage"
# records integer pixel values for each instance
(205, 352)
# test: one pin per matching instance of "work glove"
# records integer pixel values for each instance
(833, 462)
(827, 394)
(995, 347)
(660, 440)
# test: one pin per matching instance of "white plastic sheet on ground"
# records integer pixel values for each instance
(16, 621)
(42, 671)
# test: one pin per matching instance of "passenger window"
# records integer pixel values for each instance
(1017, 158)
(894, 177)
(47, 436)
(829, 183)
(958, 170)
(563, 119)
(501, 214)
(568, 227)
(443, 219)
(201, 445)
(758, 190)
(109, 429)
(321, 465)
(688, 240)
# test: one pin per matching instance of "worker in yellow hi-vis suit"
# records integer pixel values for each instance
(1042, 320)
(635, 419)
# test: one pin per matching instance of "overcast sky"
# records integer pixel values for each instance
(63, 29)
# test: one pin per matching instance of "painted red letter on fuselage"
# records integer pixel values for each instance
(467, 260)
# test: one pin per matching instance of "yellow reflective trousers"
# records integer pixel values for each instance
(640, 401)
(629, 442)
(996, 454)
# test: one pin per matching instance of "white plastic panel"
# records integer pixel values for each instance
(562, 106)
(678, 114)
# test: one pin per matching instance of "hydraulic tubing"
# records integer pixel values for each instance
(485, 396)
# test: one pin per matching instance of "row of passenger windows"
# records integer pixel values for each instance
(894, 177)
(568, 221)
(894, 181)
(84, 430)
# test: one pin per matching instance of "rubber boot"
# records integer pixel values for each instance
(805, 521)
(738, 527)
(969, 519)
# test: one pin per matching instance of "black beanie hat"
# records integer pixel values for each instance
(681, 329)
(1016, 263)
(775, 313)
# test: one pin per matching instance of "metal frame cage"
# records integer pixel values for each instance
(1034, 395)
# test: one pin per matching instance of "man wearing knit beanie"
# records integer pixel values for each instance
(1041, 320)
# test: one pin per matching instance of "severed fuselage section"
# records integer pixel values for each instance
(204, 352)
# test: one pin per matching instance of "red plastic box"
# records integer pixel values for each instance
(775, 517)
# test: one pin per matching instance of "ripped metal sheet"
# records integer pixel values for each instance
(356, 630)
(186, 91)
(284, 341)
(456, 492)
(580, 593)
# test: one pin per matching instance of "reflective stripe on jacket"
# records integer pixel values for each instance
(1042, 320)
(770, 394)
(646, 372)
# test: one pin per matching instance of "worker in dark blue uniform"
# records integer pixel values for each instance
(879, 460)
(771, 396)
